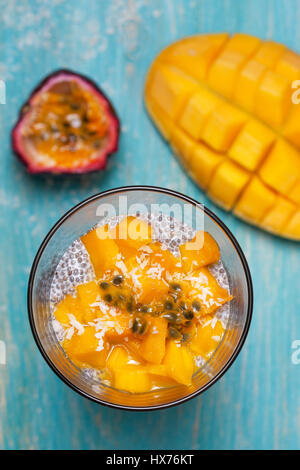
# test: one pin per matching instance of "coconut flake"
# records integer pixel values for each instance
(146, 249)
(216, 338)
(76, 324)
(122, 267)
(69, 332)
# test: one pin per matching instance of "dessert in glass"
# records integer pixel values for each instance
(140, 307)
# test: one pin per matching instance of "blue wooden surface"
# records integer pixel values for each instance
(257, 403)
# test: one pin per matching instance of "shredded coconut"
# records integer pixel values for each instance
(146, 249)
(216, 338)
(155, 272)
(69, 332)
(76, 324)
(122, 267)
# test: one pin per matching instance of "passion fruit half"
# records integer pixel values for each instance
(67, 125)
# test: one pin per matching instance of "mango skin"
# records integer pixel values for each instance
(225, 106)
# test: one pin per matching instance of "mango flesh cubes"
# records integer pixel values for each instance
(225, 106)
(142, 322)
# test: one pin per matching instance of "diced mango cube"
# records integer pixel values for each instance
(255, 201)
(196, 111)
(269, 53)
(294, 194)
(195, 54)
(162, 382)
(281, 169)
(207, 290)
(103, 252)
(156, 369)
(148, 279)
(252, 144)
(247, 84)
(202, 164)
(273, 98)
(68, 306)
(162, 259)
(131, 233)
(151, 288)
(227, 183)
(207, 336)
(161, 119)
(218, 39)
(243, 43)
(292, 229)
(170, 88)
(222, 127)
(179, 362)
(133, 344)
(118, 326)
(201, 251)
(118, 358)
(133, 379)
(88, 294)
(288, 65)
(223, 72)
(153, 346)
(181, 144)
(277, 217)
(83, 349)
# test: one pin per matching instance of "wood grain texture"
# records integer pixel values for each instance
(257, 403)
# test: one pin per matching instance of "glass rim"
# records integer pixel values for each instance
(216, 219)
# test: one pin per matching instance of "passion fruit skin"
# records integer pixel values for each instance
(101, 161)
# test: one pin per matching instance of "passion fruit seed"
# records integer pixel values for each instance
(108, 298)
(188, 315)
(135, 326)
(168, 305)
(117, 280)
(144, 327)
(139, 326)
(144, 309)
(173, 333)
(104, 285)
(172, 317)
(175, 286)
(182, 305)
(175, 295)
(185, 337)
(129, 307)
(196, 305)
(179, 314)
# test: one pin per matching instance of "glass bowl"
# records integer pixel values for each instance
(84, 216)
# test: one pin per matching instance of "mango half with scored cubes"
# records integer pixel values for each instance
(225, 106)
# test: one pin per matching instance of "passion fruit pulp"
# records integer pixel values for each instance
(67, 125)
